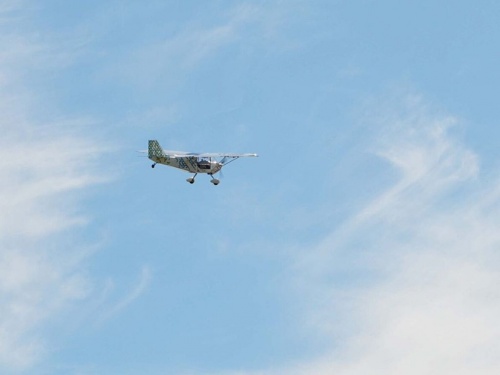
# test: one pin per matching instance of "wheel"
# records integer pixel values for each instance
(190, 180)
(215, 181)
(153, 165)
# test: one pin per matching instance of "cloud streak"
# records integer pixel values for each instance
(243, 28)
(45, 166)
(135, 292)
(409, 283)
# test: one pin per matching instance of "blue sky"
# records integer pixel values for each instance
(364, 239)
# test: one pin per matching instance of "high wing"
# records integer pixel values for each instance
(224, 158)
(207, 155)
(155, 150)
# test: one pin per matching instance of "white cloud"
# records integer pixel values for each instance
(43, 169)
(247, 27)
(409, 284)
(135, 292)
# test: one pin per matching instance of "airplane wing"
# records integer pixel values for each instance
(179, 154)
(155, 146)
(220, 155)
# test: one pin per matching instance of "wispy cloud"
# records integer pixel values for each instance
(409, 284)
(44, 165)
(135, 292)
(246, 27)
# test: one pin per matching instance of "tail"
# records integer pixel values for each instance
(154, 149)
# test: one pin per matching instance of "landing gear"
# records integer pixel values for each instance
(191, 179)
(214, 180)
(153, 165)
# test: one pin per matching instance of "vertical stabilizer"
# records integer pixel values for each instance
(154, 149)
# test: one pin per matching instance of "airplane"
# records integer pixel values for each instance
(209, 163)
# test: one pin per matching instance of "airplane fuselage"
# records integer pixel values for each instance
(189, 163)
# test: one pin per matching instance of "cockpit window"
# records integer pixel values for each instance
(203, 164)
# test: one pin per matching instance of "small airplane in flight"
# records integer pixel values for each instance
(209, 163)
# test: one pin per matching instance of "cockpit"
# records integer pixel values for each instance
(204, 164)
